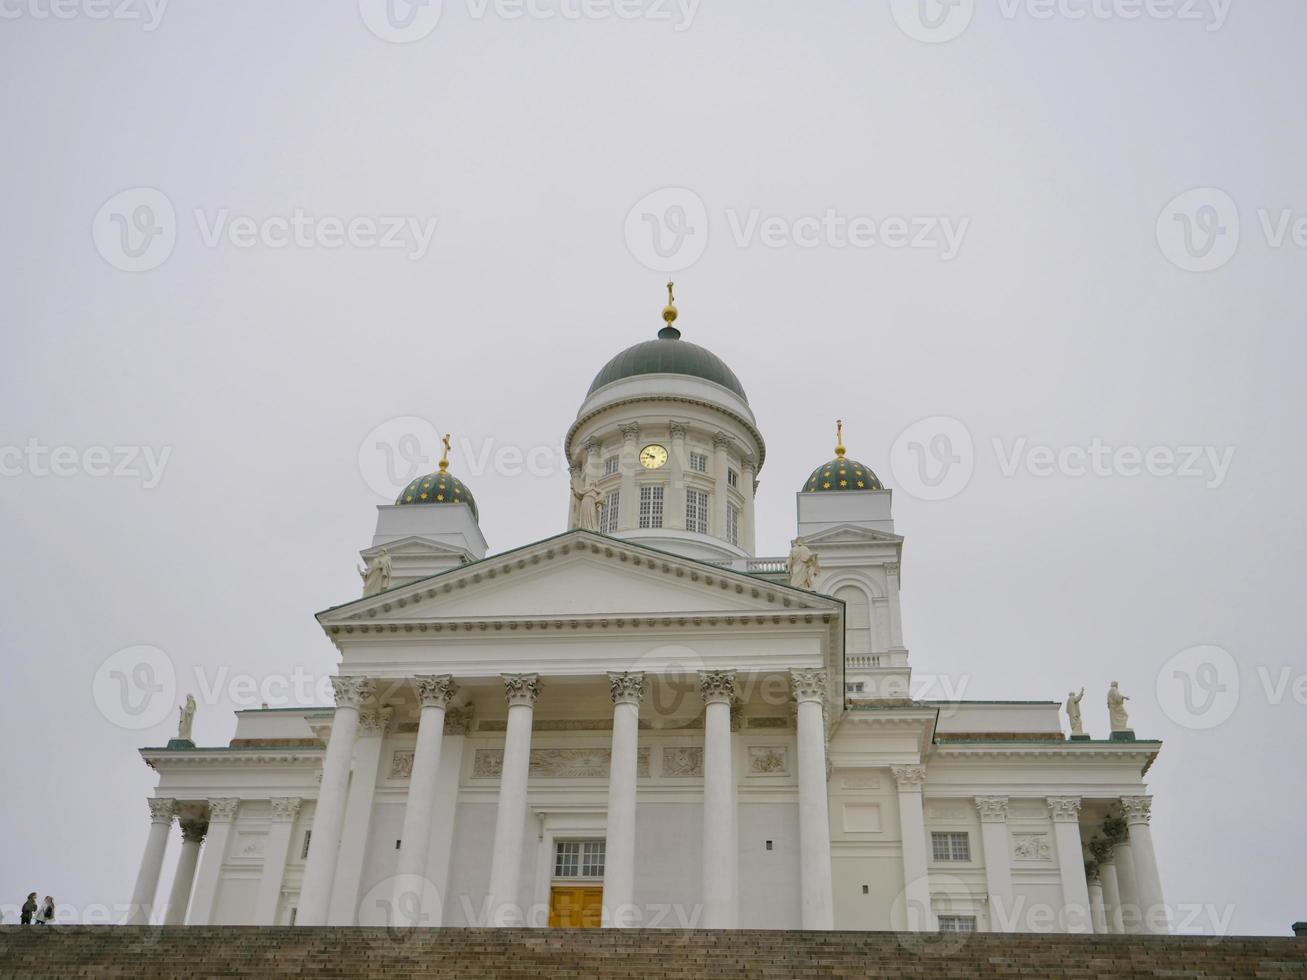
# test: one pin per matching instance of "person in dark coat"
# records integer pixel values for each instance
(29, 909)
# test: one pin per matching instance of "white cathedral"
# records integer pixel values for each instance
(641, 723)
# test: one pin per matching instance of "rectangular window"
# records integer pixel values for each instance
(611, 464)
(732, 524)
(957, 923)
(854, 687)
(696, 511)
(651, 506)
(950, 846)
(608, 516)
(699, 462)
(579, 859)
(733, 479)
(304, 851)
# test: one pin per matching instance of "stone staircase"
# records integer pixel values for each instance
(180, 953)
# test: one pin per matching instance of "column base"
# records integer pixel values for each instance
(180, 743)
(1125, 735)
(1082, 737)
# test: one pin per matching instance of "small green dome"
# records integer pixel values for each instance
(441, 487)
(669, 354)
(842, 473)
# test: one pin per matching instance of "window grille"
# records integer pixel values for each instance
(950, 845)
(651, 506)
(696, 511)
(608, 516)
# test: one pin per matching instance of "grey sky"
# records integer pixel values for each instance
(1060, 319)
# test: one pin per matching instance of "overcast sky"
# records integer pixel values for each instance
(981, 219)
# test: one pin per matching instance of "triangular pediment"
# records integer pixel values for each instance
(579, 574)
(851, 534)
(416, 545)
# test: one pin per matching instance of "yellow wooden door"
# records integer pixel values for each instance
(572, 907)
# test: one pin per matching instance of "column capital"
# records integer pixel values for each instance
(808, 685)
(593, 446)
(909, 778)
(285, 808)
(626, 687)
(521, 689)
(630, 431)
(721, 440)
(1102, 851)
(1137, 809)
(679, 430)
(892, 569)
(435, 690)
(223, 810)
(717, 686)
(749, 463)
(458, 721)
(373, 721)
(992, 809)
(353, 692)
(194, 831)
(161, 810)
(1064, 809)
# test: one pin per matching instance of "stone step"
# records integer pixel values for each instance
(190, 953)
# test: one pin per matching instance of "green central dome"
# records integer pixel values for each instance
(841, 473)
(669, 354)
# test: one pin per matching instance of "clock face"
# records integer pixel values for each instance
(652, 457)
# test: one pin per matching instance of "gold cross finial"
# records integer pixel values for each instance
(444, 460)
(669, 311)
(839, 438)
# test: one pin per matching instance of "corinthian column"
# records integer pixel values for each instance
(284, 811)
(1065, 811)
(912, 826)
(998, 862)
(329, 814)
(147, 879)
(435, 693)
(222, 814)
(717, 688)
(193, 832)
(1152, 907)
(815, 889)
(619, 861)
(521, 691)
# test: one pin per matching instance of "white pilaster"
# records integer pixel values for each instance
(628, 505)
(1138, 813)
(1065, 811)
(435, 693)
(275, 852)
(717, 687)
(674, 506)
(344, 910)
(183, 879)
(916, 873)
(329, 814)
(1129, 888)
(147, 878)
(721, 463)
(222, 813)
(619, 863)
(1111, 893)
(748, 477)
(504, 907)
(998, 862)
(895, 610)
(817, 903)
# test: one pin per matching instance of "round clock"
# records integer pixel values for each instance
(652, 457)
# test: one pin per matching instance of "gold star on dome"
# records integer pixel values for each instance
(844, 483)
(424, 496)
(440, 498)
(861, 484)
(826, 485)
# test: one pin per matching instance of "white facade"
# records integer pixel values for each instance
(650, 727)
